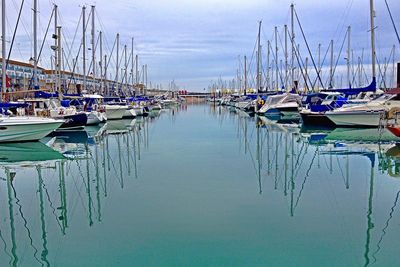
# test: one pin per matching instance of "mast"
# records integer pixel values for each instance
(268, 68)
(126, 69)
(132, 62)
(117, 62)
(306, 75)
(348, 56)
(145, 68)
(137, 71)
(101, 63)
(372, 15)
(93, 50)
(276, 60)
(319, 63)
(245, 75)
(292, 41)
(258, 63)
(35, 80)
(105, 76)
(3, 49)
(58, 66)
(84, 46)
(393, 68)
(286, 57)
(143, 77)
(331, 68)
(55, 43)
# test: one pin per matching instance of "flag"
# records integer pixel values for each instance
(8, 82)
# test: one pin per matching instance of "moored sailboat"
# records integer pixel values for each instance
(22, 128)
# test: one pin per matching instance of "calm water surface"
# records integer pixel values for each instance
(201, 186)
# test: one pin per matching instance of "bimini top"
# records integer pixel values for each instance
(355, 91)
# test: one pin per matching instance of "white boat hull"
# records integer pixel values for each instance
(242, 104)
(23, 129)
(129, 113)
(356, 119)
(138, 111)
(115, 112)
(94, 118)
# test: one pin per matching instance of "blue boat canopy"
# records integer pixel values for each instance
(41, 94)
(355, 91)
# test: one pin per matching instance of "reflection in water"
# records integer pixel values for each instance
(299, 177)
(24, 220)
(341, 144)
(14, 259)
(45, 251)
(94, 155)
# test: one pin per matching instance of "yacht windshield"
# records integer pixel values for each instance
(384, 97)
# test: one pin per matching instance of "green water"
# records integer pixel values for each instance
(201, 186)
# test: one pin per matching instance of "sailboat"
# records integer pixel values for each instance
(23, 128)
(370, 114)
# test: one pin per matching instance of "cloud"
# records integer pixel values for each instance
(192, 41)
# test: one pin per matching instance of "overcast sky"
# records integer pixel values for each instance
(196, 41)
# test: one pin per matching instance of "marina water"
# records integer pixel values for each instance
(201, 185)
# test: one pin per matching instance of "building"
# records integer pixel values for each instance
(20, 75)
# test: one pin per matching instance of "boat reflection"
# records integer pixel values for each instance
(27, 153)
(288, 148)
(86, 163)
(72, 144)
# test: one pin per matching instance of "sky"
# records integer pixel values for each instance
(196, 42)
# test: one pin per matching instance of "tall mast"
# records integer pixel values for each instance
(292, 41)
(268, 68)
(319, 63)
(106, 89)
(55, 43)
(372, 14)
(331, 68)
(258, 64)
(35, 59)
(132, 61)
(393, 68)
(245, 75)
(306, 75)
(126, 69)
(58, 66)
(117, 67)
(137, 71)
(3, 49)
(101, 63)
(62, 72)
(286, 58)
(84, 46)
(258, 57)
(276, 60)
(348, 56)
(93, 50)
(143, 76)
(145, 68)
